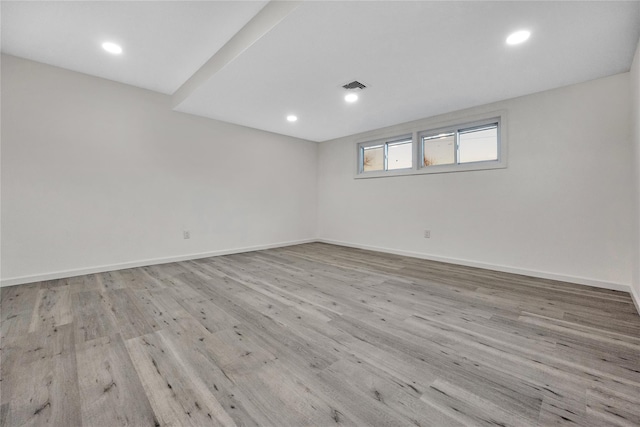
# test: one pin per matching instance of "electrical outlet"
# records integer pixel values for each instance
(427, 234)
(186, 234)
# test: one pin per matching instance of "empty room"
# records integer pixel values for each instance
(319, 213)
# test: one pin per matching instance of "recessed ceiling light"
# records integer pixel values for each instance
(351, 97)
(518, 37)
(112, 48)
(292, 118)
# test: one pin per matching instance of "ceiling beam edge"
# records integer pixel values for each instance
(263, 22)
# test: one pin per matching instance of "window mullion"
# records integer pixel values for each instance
(456, 144)
(386, 156)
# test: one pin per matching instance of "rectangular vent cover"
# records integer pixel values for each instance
(354, 85)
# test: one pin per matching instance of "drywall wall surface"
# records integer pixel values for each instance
(561, 208)
(635, 140)
(97, 173)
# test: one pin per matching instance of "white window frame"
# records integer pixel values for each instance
(418, 130)
(456, 129)
(385, 142)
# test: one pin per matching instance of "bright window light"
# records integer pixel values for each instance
(518, 37)
(112, 48)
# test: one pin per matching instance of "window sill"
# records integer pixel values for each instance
(434, 170)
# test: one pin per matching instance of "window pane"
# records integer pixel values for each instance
(373, 158)
(439, 150)
(399, 155)
(478, 145)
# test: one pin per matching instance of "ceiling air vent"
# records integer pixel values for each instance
(354, 85)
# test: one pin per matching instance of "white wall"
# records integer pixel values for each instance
(97, 173)
(635, 133)
(561, 208)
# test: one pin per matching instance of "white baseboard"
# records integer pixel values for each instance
(635, 296)
(142, 263)
(494, 267)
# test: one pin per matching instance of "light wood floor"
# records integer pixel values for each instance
(317, 335)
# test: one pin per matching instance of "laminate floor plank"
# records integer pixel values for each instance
(288, 401)
(166, 276)
(470, 408)
(52, 308)
(476, 343)
(569, 329)
(17, 304)
(158, 308)
(131, 322)
(278, 340)
(241, 409)
(41, 385)
(208, 313)
(381, 389)
(110, 281)
(110, 391)
(177, 395)
(624, 413)
(89, 282)
(92, 317)
(139, 279)
(20, 352)
(442, 362)
(284, 292)
(320, 335)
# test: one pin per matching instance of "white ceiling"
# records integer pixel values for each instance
(164, 42)
(418, 58)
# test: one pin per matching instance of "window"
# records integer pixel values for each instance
(400, 155)
(373, 158)
(474, 145)
(438, 149)
(478, 145)
(460, 144)
(386, 156)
